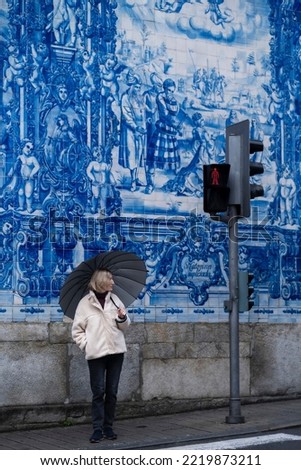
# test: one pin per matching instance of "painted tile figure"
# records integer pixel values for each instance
(217, 16)
(105, 197)
(41, 61)
(189, 179)
(23, 177)
(14, 68)
(287, 197)
(63, 22)
(109, 72)
(151, 108)
(64, 123)
(88, 65)
(132, 129)
(163, 151)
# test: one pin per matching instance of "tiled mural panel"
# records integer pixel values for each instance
(108, 112)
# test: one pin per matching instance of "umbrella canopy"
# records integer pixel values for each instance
(129, 274)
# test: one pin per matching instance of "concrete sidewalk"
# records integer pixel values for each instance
(159, 432)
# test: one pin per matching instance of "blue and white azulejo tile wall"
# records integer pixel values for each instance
(109, 110)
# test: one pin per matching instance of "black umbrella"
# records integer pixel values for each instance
(129, 274)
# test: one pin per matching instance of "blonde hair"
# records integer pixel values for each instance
(98, 279)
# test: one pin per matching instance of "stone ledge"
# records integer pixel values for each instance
(37, 417)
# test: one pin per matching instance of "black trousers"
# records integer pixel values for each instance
(104, 380)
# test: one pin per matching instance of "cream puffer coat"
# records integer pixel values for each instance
(99, 331)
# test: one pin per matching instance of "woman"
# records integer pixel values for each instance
(98, 326)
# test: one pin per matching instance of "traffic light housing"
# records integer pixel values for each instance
(238, 150)
(245, 291)
(216, 190)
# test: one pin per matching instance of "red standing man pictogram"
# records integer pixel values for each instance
(215, 177)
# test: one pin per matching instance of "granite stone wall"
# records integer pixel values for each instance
(168, 368)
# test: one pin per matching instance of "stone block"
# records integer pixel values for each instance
(276, 352)
(129, 386)
(23, 331)
(32, 373)
(79, 381)
(204, 349)
(189, 378)
(60, 332)
(135, 333)
(207, 332)
(170, 332)
(159, 350)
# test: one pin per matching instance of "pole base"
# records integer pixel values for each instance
(235, 419)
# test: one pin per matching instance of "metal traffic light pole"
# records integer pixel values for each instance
(227, 187)
(238, 150)
(233, 308)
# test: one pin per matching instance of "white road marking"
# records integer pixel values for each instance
(240, 443)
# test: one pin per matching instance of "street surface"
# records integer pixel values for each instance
(281, 440)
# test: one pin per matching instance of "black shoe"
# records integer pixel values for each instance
(109, 434)
(97, 436)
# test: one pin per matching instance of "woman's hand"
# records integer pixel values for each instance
(121, 313)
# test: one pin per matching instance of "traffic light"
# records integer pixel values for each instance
(245, 291)
(216, 191)
(238, 150)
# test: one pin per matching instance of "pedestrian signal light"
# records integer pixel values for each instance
(245, 291)
(238, 150)
(216, 190)
(256, 168)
